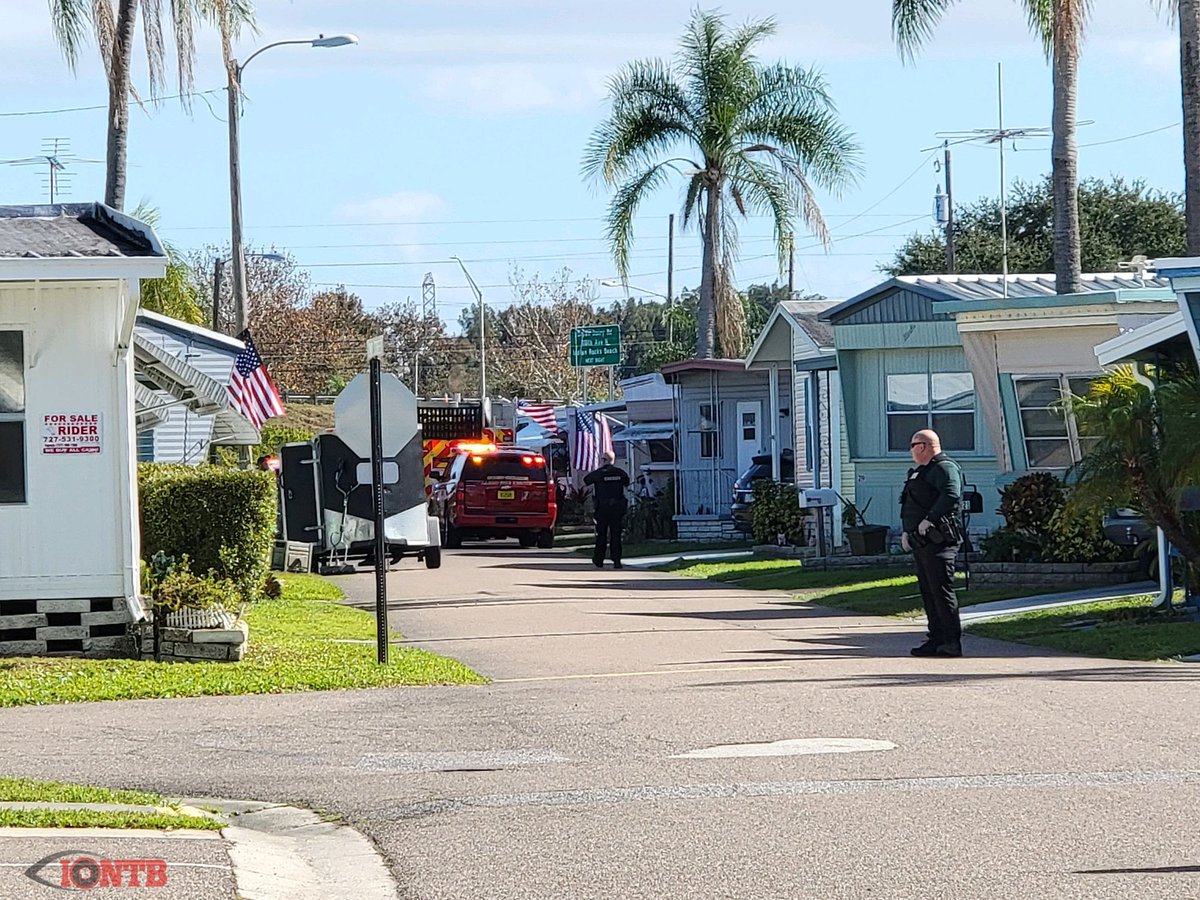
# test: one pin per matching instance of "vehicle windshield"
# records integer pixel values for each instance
(504, 468)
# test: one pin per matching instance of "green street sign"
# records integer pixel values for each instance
(596, 345)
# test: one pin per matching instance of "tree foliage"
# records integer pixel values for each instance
(744, 137)
(1145, 452)
(113, 26)
(1118, 220)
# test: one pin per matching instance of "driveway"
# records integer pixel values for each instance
(598, 764)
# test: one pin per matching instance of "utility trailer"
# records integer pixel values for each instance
(325, 484)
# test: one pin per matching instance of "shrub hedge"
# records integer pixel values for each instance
(222, 519)
(776, 509)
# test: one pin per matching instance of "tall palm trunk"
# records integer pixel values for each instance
(118, 104)
(1189, 71)
(1064, 155)
(706, 324)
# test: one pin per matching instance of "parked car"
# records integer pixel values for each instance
(743, 488)
(496, 492)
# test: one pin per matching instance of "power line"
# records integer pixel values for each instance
(72, 109)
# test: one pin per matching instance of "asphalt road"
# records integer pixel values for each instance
(1010, 773)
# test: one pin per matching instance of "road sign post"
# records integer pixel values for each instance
(374, 352)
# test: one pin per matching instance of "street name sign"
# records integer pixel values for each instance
(596, 345)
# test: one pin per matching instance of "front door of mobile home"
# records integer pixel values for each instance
(749, 425)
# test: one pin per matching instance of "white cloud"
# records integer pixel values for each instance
(405, 207)
(494, 90)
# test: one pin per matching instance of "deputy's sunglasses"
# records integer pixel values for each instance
(917, 444)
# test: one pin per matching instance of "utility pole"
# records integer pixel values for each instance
(949, 211)
(792, 271)
(235, 199)
(670, 277)
(216, 300)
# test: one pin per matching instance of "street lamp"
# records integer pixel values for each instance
(235, 165)
(482, 329)
(613, 282)
(216, 291)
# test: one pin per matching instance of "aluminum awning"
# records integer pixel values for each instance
(200, 393)
(647, 431)
(150, 408)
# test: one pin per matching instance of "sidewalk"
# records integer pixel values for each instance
(981, 612)
(649, 562)
(266, 852)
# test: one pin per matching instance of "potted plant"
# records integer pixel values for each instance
(865, 540)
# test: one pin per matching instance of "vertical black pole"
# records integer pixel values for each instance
(381, 625)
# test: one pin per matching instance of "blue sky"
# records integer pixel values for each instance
(456, 128)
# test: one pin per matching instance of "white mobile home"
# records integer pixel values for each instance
(69, 288)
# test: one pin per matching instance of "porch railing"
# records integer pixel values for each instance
(705, 490)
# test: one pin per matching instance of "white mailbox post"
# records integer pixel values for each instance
(69, 290)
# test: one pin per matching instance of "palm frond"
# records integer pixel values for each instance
(1040, 16)
(152, 35)
(913, 22)
(693, 198)
(104, 23)
(71, 22)
(768, 191)
(648, 119)
(624, 207)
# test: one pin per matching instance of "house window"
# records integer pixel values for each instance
(943, 401)
(1051, 438)
(145, 446)
(662, 451)
(12, 417)
(710, 431)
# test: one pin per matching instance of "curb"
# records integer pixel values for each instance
(287, 853)
(277, 852)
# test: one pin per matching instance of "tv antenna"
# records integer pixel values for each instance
(998, 136)
(55, 156)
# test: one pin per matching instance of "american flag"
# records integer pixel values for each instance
(250, 387)
(541, 414)
(593, 436)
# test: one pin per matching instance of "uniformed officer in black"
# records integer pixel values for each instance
(608, 484)
(929, 508)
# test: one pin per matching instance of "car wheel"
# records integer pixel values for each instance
(452, 538)
(545, 539)
(433, 558)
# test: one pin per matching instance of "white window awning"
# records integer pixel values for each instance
(200, 393)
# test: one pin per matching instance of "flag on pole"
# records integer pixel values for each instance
(593, 436)
(250, 387)
(540, 414)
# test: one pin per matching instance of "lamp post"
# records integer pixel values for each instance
(216, 290)
(482, 331)
(613, 282)
(235, 165)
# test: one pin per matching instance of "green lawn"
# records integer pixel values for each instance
(25, 790)
(1119, 629)
(877, 592)
(293, 647)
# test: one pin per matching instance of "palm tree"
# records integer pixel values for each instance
(1188, 12)
(755, 137)
(1059, 24)
(113, 23)
(1144, 453)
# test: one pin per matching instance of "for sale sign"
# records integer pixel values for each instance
(71, 433)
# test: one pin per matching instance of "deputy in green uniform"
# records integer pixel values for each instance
(929, 509)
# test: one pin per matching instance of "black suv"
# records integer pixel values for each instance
(743, 488)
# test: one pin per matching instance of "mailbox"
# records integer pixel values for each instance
(818, 498)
